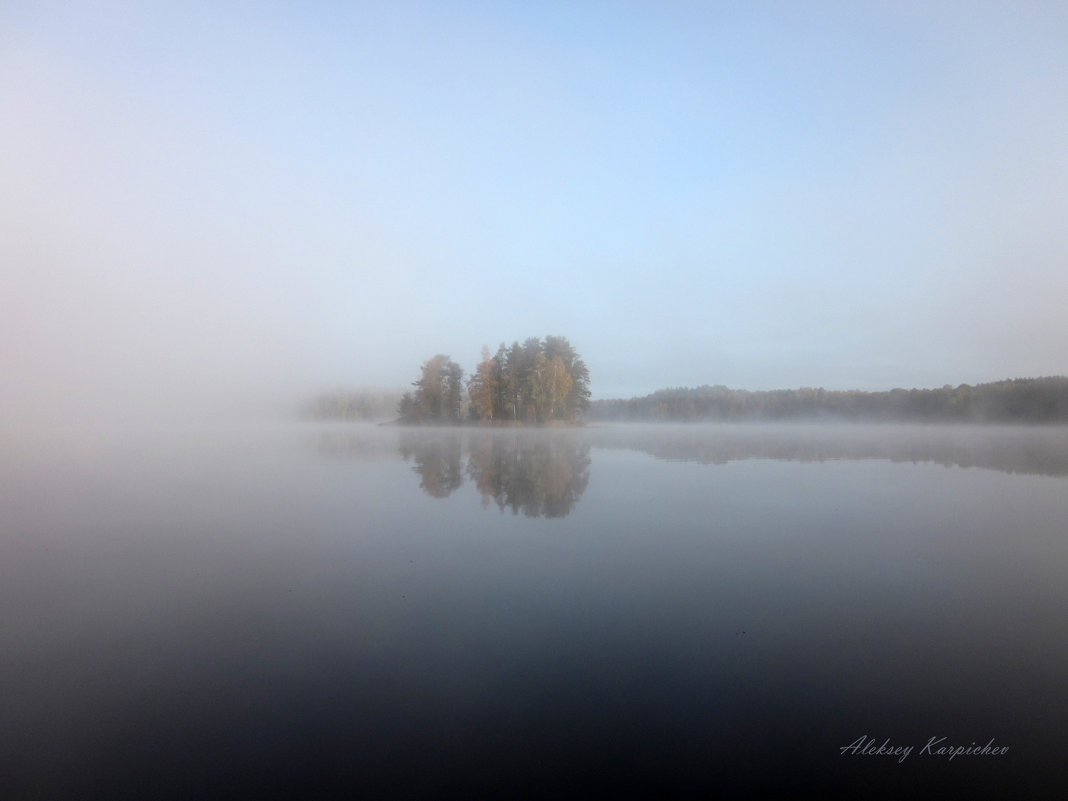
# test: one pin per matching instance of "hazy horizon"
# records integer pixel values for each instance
(356, 387)
(209, 207)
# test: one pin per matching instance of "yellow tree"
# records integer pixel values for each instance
(482, 386)
(439, 391)
(558, 386)
(550, 385)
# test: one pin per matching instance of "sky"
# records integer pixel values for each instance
(249, 201)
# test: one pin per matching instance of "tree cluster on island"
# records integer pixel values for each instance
(537, 382)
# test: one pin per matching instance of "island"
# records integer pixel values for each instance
(541, 382)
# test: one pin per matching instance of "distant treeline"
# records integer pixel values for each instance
(371, 405)
(1035, 400)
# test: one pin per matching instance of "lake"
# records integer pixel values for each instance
(345, 611)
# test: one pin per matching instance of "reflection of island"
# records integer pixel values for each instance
(545, 472)
(543, 476)
(438, 463)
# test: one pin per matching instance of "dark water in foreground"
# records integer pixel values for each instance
(345, 612)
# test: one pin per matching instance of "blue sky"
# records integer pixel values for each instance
(259, 198)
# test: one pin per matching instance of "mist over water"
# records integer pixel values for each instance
(669, 610)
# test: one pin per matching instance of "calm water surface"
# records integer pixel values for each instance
(356, 611)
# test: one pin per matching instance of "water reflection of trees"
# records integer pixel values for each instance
(537, 473)
(545, 472)
(438, 463)
(543, 477)
(1009, 449)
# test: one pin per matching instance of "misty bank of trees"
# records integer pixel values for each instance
(517, 385)
(540, 381)
(1035, 400)
(368, 405)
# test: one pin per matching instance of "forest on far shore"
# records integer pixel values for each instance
(1031, 400)
(1028, 400)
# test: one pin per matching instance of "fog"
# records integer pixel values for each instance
(359, 611)
(208, 211)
